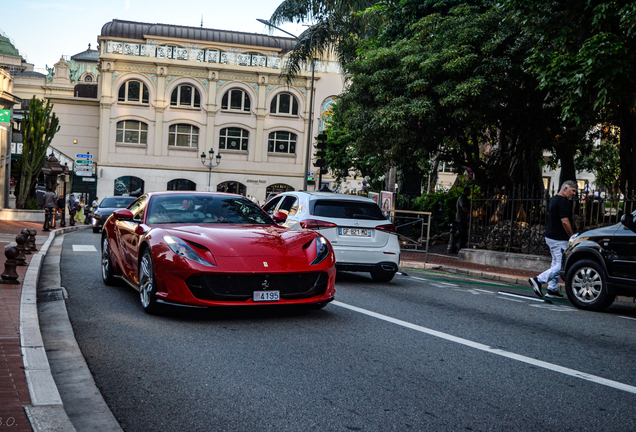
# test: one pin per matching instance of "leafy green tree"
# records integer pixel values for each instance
(603, 159)
(39, 126)
(452, 81)
(585, 55)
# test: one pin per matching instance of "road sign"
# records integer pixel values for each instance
(83, 156)
(85, 162)
(5, 116)
(83, 173)
(88, 179)
(83, 167)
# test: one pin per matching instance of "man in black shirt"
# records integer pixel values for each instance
(557, 234)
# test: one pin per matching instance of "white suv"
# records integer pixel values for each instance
(361, 237)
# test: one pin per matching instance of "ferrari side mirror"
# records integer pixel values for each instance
(279, 217)
(122, 214)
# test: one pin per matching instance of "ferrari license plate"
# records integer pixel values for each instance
(266, 295)
(355, 232)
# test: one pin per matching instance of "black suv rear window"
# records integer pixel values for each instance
(347, 210)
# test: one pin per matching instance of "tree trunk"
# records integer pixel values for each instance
(433, 174)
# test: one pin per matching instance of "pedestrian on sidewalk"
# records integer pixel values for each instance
(72, 208)
(49, 208)
(557, 233)
(60, 209)
(461, 220)
(79, 211)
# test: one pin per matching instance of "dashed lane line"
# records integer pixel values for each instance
(545, 365)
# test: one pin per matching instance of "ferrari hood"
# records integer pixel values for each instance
(245, 241)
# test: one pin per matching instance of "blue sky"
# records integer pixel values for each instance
(44, 30)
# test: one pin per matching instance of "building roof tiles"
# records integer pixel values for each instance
(139, 31)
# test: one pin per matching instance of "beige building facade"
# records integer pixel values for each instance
(168, 94)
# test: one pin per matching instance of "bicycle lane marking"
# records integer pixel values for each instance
(521, 358)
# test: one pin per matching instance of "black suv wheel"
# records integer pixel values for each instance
(586, 286)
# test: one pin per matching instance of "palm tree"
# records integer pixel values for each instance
(335, 28)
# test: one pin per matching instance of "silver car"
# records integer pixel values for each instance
(362, 238)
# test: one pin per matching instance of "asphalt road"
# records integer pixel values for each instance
(425, 352)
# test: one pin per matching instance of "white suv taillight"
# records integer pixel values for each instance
(390, 228)
(316, 224)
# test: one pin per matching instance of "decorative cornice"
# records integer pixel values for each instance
(136, 68)
(240, 77)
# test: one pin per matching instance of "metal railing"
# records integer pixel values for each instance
(515, 220)
(406, 223)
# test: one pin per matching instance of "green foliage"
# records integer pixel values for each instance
(32, 204)
(442, 205)
(39, 127)
(603, 160)
(452, 80)
(585, 56)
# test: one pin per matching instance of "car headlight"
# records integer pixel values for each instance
(181, 248)
(573, 239)
(322, 250)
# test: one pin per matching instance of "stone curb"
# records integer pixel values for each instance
(46, 412)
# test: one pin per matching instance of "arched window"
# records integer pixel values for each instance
(183, 135)
(235, 100)
(133, 91)
(132, 132)
(129, 186)
(233, 139)
(186, 95)
(88, 79)
(284, 103)
(232, 187)
(181, 184)
(282, 142)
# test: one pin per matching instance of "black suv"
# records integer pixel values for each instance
(600, 264)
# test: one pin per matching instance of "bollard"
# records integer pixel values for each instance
(452, 247)
(31, 241)
(25, 232)
(21, 239)
(10, 276)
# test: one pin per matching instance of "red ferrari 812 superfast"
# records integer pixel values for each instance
(214, 249)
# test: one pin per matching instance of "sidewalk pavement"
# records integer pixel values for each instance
(16, 395)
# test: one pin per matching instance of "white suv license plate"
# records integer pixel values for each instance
(355, 232)
(266, 296)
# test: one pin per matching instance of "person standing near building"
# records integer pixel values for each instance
(49, 208)
(60, 209)
(557, 233)
(461, 217)
(72, 204)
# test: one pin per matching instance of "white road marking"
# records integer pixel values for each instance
(419, 278)
(84, 248)
(554, 307)
(629, 318)
(555, 368)
(511, 299)
(520, 296)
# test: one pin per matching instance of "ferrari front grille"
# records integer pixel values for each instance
(240, 287)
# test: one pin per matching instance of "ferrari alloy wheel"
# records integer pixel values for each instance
(586, 286)
(147, 284)
(107, 268)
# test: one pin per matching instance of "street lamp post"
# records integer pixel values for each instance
(311, 106)
(210, 164)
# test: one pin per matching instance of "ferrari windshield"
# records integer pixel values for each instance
(205, 209)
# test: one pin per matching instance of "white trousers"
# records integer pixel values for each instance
(551, 275)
